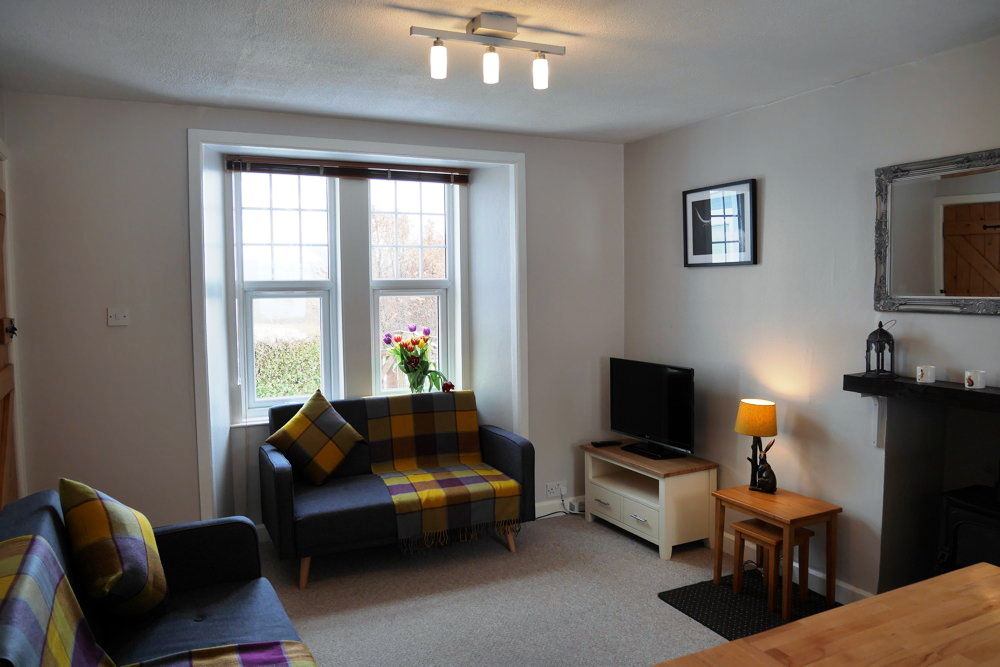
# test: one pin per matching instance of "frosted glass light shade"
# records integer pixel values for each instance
(540, 72)
(439, 60)
(756, 417)
(491, 66)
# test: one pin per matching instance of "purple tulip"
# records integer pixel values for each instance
(427, 331)
(387, 339)
(412, 327)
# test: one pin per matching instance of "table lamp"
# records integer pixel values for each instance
(756, 417)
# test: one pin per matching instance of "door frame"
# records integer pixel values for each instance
(939, 204)
(16, 429)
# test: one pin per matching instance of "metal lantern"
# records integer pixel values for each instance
(880, 341)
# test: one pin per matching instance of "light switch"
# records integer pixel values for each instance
(117, 317)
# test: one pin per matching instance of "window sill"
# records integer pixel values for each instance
(250, 421)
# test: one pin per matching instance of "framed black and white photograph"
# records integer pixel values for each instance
(720, 225)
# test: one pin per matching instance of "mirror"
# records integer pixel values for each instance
(937, 235)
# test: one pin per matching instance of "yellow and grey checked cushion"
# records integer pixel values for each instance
(113, 548)
(316, 440)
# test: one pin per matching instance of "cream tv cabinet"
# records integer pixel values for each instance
(667, 502)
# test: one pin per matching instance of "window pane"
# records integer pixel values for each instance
(314, 226)
(418, 225)
(433, 227)
(409, 229)
(432, 197)
(382, 195)
(407, 196)
(314, 190)
(434, 264)
(286, 226)
(256, 190)
(286, 346)
(256, 262)
(383, 229)
(256, 226)
(285, 190)
(395, 313)
(315, 263)
(285, 242)
(287, 263)
(383, 266)
(409, 263)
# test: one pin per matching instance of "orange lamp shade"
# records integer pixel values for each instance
(756, 417)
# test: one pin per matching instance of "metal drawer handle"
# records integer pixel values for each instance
(603, 502)
(638, 518)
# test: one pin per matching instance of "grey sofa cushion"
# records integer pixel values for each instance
(344, 510)
(232, 613)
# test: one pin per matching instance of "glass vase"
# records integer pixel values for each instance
(418, 382)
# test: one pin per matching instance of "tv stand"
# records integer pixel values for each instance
(666, 502)
(651, 450)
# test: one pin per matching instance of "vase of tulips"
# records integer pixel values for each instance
(412, 354)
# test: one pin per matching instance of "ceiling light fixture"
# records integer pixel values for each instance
(439, 60)
(495, 31)
(540, 72)
(491, 66)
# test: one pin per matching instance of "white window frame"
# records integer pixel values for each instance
(245, 291)
(450, 292)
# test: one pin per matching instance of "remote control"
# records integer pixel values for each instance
(606, 443)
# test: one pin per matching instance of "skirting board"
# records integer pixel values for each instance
(817, 580)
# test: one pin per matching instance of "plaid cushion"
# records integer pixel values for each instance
(40, 619)
(316, 440)
(271, 654)
(432, 501)
(113, 549)
(414, 431)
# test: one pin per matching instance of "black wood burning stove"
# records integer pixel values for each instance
(970, 531)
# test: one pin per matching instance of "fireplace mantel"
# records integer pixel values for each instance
(951, 394)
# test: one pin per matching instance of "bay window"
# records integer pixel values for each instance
(289, 302)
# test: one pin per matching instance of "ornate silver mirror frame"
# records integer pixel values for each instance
(884, 178)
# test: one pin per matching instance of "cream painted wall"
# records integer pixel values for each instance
(789, 328)
(101, 192)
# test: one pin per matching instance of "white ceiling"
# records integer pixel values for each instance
(633, 67)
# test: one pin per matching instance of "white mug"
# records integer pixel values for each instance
(926, 374)
(975, 379)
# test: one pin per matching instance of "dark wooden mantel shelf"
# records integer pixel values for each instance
(953, 394)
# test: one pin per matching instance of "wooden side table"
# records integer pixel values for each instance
(787, 511)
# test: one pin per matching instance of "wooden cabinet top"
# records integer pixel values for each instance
(652, 467)
(783, 506)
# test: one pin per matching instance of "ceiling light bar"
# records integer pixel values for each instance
(486, 40)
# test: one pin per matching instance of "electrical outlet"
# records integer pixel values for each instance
(553, 489)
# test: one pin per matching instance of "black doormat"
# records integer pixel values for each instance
(737, 616)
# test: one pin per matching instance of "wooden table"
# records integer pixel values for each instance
(953, 618)
(788, 511)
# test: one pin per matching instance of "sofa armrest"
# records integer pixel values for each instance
(208, 552)
(276, 499)
(515, 457)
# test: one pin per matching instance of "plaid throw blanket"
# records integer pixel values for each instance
(425, 447)
(41, 622)
(270, 654)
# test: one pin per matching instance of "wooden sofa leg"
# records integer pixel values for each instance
(510, 541)
(304, 571)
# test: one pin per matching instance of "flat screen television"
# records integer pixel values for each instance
(654, 403)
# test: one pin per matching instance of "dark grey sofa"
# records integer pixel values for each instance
(352, 509)
(215, 594)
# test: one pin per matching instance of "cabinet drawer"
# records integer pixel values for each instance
(640, 518)
(602, 502)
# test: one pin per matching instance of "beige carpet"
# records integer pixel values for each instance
(575, 593)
